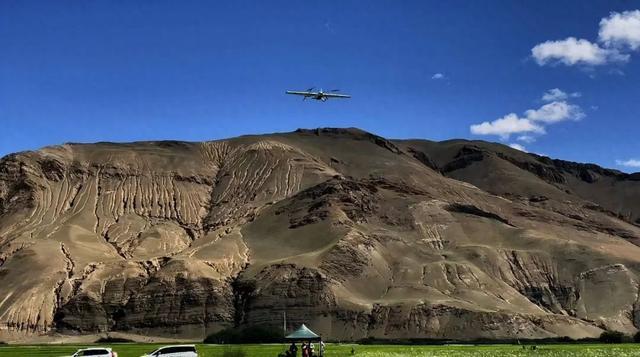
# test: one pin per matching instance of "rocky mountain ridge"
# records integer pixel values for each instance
(354, 234)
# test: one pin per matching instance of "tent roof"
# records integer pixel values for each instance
(303, 333)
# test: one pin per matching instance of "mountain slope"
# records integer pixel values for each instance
(505, 171)
(351, 233)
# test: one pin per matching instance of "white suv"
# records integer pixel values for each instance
(95, 352)
(174, 351)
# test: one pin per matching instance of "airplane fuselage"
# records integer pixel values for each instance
(320, 96)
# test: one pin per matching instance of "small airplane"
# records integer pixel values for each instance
(319, 95)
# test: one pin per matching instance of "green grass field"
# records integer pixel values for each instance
(135, 350)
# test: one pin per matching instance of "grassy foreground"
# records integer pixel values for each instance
(135, 350)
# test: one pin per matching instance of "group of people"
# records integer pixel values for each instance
(307, 348)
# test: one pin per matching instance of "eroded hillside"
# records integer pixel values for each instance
(346, 231)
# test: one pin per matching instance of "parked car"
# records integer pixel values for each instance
(95, 352)
(174, 351)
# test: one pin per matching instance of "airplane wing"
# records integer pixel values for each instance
(334, 95)
(306, 94)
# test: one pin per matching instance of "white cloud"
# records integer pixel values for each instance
(628, 163)
(437, 76)
(616, 71)
(518, 147)
(558, 94)
(621, 29)
(618, 32)
(526, 139)
(507, 125)
(555, 112)
(572, 51)
(534, 121)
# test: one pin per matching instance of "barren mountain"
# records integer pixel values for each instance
(351, 233)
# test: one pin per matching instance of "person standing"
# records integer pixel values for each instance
(293, 350)
(305, 350)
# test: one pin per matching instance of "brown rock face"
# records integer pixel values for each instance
(351, 233)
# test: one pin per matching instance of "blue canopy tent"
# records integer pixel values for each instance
(303, 334)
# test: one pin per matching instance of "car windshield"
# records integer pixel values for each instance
(94, 353)
(172, 349)
(185, 349)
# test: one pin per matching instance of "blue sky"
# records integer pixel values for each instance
(86, 71)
